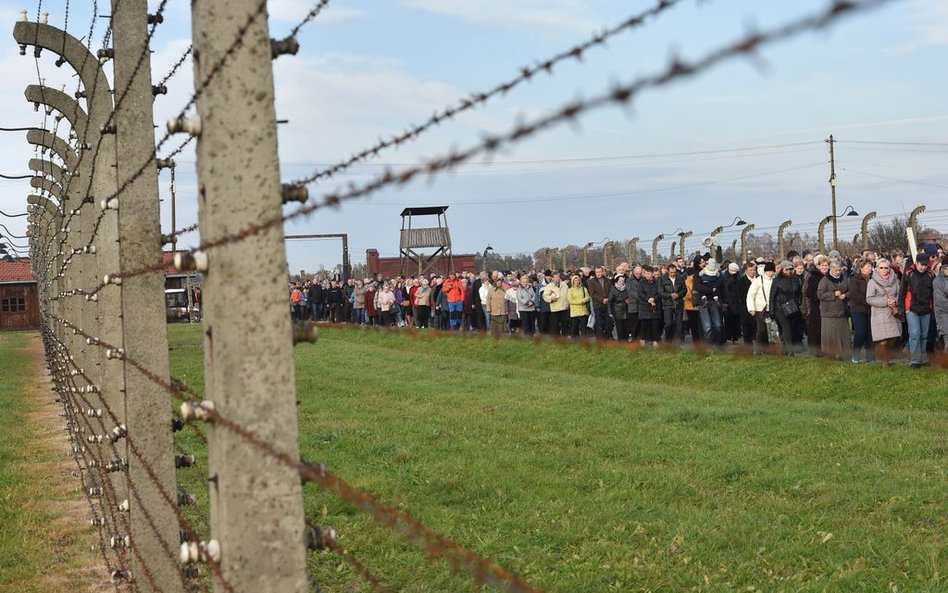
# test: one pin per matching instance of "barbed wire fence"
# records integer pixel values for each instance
(96, 250)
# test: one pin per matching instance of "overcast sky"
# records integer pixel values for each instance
(755, 130)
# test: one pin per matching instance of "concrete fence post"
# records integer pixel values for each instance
(142, 306)
(99, 316)
(256, 502)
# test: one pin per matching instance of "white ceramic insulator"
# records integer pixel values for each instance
(190, 125)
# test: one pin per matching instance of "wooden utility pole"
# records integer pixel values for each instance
(832, 182)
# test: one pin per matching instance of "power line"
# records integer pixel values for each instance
(588, 159)
(894, 143)
(886, 177)
(614, 194)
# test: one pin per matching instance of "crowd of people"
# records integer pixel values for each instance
(865, 308)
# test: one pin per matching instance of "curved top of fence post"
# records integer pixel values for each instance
(63, 103)
(41, 137)
(45, 203)
(86, 65)
(49, 186)
(50, 168)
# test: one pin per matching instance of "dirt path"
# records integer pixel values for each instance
(64, 559)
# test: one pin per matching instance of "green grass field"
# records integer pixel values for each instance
(600, 469)
(44, 533)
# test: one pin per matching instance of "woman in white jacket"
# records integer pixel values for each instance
(758, 304)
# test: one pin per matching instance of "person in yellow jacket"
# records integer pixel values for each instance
(578, 298)
(555, 294)
(497, 307)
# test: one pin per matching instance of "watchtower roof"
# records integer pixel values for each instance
(424, 211)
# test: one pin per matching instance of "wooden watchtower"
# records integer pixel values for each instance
(414, 261)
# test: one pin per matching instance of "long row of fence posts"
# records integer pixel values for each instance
(95, 238)
(96, 212)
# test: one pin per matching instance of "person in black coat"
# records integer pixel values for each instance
(672, 290)
(730, 299)
(316, 300)
(785, 300)
(649, 306)
(748, 323)
(706, 297)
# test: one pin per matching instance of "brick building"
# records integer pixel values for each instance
(19, 297)
(388, 266)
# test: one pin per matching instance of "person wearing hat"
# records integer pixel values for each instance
(940, 290)
(784, 303)
(731, 302)
(916, 296)
(707, 300)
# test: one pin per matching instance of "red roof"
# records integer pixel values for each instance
(17, 270)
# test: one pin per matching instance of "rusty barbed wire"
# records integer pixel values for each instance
(108, 491)
(216, 68)
(432, 542)
(357, 565)
(312, 14)
(121, 98)
(527, 73)
(620, 94)
(102, 213)
(183, 523)
(177, 65)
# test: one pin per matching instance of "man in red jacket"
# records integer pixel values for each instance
(455, 294)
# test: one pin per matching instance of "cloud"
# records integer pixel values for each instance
(570, 14)
(295, 10)
(346, 101)
(870, 124)
(928, 27)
